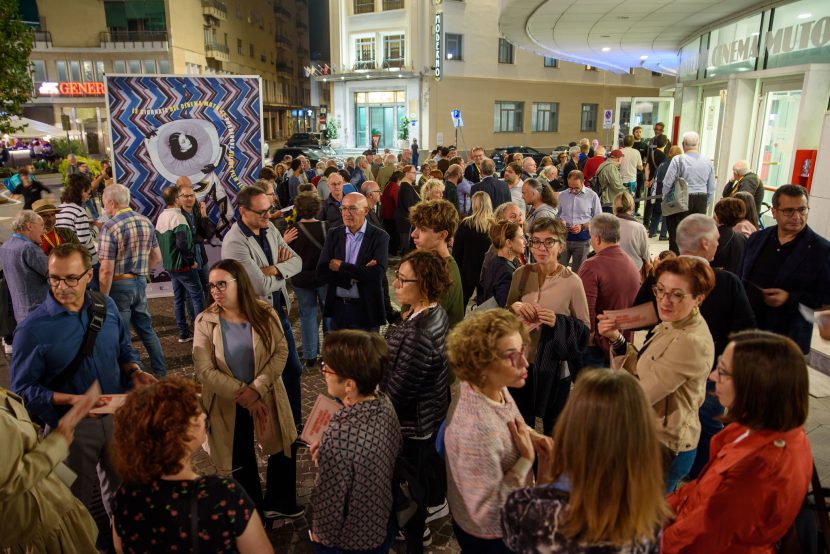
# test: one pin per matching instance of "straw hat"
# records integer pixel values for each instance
(44, 206)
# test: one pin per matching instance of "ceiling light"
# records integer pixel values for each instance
(643, 58)
(606, 49)
(805, 15)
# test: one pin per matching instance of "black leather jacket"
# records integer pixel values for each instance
(417, 380)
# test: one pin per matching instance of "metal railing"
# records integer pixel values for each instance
(216, 4)
(113, 35)
(42, 36)
(216, 47)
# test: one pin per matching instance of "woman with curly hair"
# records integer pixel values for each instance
(433, 189)
(73, 216)
(164, 505)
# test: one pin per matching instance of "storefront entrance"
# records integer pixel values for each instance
(711, 124)
(381, 112)
(775, 141)
(644, 112)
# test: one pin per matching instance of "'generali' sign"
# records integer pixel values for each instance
(70, 89)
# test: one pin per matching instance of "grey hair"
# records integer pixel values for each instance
(320, 165)
(499, 213)
(488, 167)
(741, 167)
(549, 170)
(691, 139)
(606, 227)
(692, 230)
(359, 160)
(117, 193)
(390, 159)
(573, 151)
(24, 219)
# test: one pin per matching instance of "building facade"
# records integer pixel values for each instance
(417, 60)
(78, 42)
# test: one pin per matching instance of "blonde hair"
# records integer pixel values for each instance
(482, 217)
(472, 344)
(429, 187)
(623, 203)
(615, 470)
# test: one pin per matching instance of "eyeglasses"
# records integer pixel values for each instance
(219, 285)
(71, 281)
(350, 209)
(789, 212)
(516, 356)
(402, 280)
(372, 191)
(675, 296)
(547, 243)
(324, 369)
(187, 196)
(721, 370)
(260, 213)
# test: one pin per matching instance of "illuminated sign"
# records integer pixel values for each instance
(439, 25)
(70, 89)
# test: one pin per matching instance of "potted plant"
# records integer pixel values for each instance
(375, 139)
(403, 133)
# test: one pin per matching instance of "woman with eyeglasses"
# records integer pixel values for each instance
(417, 381)
(550, 300)
(760, 465)
(673, 364)
(471, 242)
(239, 352)
(356, 455)
(489, 449)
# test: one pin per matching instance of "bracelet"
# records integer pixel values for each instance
(619, 342)
(619, 346)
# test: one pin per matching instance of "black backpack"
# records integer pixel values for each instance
(596, 185)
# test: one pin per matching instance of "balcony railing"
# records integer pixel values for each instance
(217, 51)
(282, 12)
(215, 8)
(283, 40)
(135, 37)
(41, 38)
(283, 67)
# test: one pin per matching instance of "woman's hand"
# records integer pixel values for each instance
(246, 397)
(81, 405)
(525, 311)
(315, 453)
(259, 413)
(607, 327)
(290, 235)
(544, 447)
(546, 316)
(521, 438)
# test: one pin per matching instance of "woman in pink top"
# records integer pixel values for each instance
(489, 449)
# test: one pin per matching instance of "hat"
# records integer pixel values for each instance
(43, 206)
(616, 154)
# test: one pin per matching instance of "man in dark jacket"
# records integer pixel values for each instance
(743, 180)
(787, 265)
(473, 170)
(330, 212)
(202, 229)
(353, 263)
(496, 189)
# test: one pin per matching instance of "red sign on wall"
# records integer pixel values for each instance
(70, 89)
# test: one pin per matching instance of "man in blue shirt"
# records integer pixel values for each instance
(47, 341)
(577, 207)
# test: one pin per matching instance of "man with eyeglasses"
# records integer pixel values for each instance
(786, 265)
(577, 206)
(330, 211)
(48, 341)
(353, 264)
(256, 243)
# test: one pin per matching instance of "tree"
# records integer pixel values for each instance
(15, 72)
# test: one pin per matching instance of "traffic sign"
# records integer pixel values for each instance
(608, 119)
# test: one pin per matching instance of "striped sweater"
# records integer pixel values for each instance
(74, 217)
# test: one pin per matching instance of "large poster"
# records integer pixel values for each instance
(165, 127)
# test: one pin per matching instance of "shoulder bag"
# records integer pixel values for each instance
(97, 311)
(677, 200)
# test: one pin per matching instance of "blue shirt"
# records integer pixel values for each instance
(238, 340)
(25, 267)
(696, 169)
(578, 208)
(49, 339)
(353, 242)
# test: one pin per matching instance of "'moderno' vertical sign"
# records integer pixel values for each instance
(439, 27)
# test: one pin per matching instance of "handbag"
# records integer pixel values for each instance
(677, 200)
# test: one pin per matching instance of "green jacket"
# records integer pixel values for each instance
(175, 240)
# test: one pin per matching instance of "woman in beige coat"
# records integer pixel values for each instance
(673, 365)
(239, 351)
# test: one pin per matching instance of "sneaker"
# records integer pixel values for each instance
(400, 537)
(188, 338)
(437, 512)
(7, 347)
(291, 513)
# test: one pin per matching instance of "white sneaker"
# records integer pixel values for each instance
(7, 347)
(437, 512)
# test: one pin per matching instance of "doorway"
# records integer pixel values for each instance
(775, 144)
(378, 112)
(711, 124)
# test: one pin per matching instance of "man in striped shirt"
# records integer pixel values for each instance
(128, 250)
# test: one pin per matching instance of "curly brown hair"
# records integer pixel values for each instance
(307, 205)
(697, 273)
(150, 431)
(432, 272)
(437, 215)
(472, 344)
(730, 211)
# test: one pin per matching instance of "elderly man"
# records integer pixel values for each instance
(128, 250)
(786, 265)
(630, 165)
(52, 236)
(353, 264)
(611, 282)
(389, 167)
(371, 191)
(330, 211)
(609, 181)
(473, 171)
(699, 174)
(452, 178)
(360, 172)
(528, 168)
(743, 180)
(201, 227)
(50, 369)
(577, 207)
(496, 189)
(25, 264)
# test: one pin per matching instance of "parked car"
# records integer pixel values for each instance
(303, 139)
(313, 153)
(498, 155)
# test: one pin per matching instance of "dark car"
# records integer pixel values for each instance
(498, 155)
(303, 139)
(313, 153)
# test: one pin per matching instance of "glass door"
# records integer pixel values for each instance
(774, 151)
(645, 112)
(711, 123)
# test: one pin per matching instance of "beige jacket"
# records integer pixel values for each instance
(220, 386)
(673, 368)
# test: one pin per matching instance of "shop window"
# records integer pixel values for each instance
(88, 71)
(508, 117)
(545, 117)
(453, 46)
(392, 5)
(63, 75)
(551, 62)
(135, 66)
(100, 71)
(119, 66)
(39, 71)
(164, 66)
(364, 6)
(588, 121)
(149, 66)
(75, 71)
(393, 50)
(364, 53)
(505, 51)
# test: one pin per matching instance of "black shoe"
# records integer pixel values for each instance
(311, 363)
(652, 235)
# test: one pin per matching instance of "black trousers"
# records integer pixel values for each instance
(394, 239)
(432, 481)
(475, 545)
(697, 205)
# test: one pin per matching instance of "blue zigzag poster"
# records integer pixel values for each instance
(205, 128)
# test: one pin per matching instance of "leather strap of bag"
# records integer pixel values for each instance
(523, 280)
(309, 236)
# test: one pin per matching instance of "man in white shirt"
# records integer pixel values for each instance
(630, 164)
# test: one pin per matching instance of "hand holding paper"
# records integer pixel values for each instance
(79, 410)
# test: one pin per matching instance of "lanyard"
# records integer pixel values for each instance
(122, 210)
(22, 237)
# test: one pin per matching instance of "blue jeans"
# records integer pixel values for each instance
(293, 369)
(679, 468)
(130, 295)
(710, 426)
(203, 273)
(187, 289)
(657, 219)
(309, 299)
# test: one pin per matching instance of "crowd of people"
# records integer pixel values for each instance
(510, 314)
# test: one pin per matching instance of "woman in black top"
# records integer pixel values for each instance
(472, 240)
(162, 500)
(407, 197)
(510, 243)
(308, 243)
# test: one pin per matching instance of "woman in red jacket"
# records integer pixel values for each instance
(760, 465)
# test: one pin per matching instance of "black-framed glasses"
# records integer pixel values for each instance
(70, 281)
(373, 191)
(221, 286)
(516, 356)
(350, 209)
(547, 243)
(721, 371)
(789, 212)
(675, 296)
(187, 196)
(399, 279)
(261, 213)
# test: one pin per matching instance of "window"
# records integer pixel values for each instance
(393, 50)
(589, 118)
(75, 71)
(135, 66)
(164, 66)
(392, 5)
(453, 46)
(545, 117)
(251, 50)
(590, 68)
(149, 66)
(505, 51)
(62, 74)
(39, 71)
(99, 70)
(88, 71)
(364, 49)
(119, 66)
(551, 62)
(364, 6)
(508, 117)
